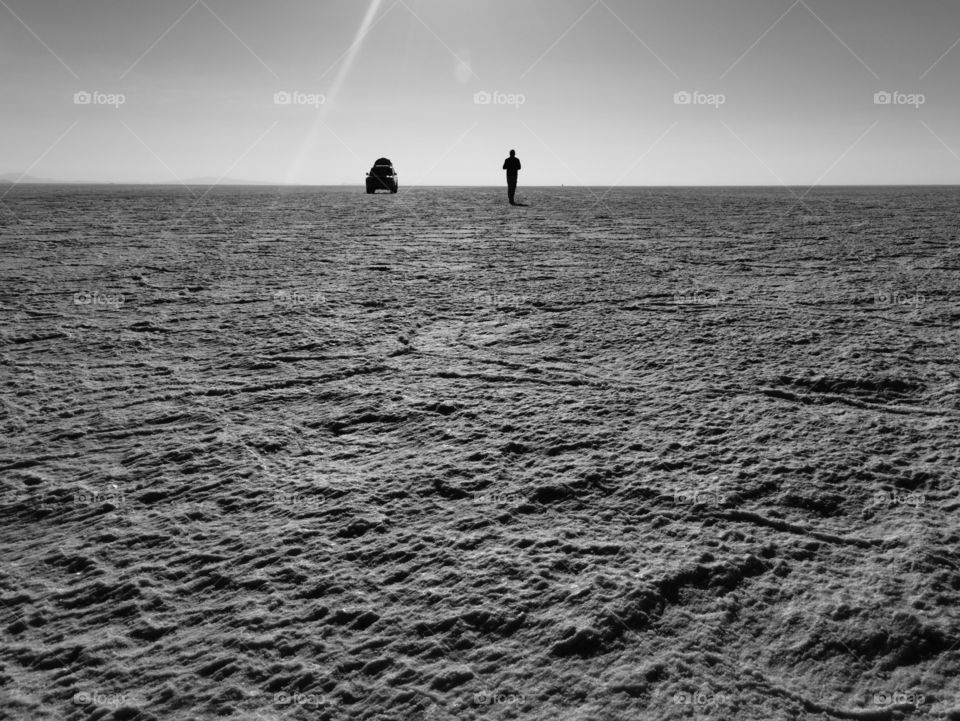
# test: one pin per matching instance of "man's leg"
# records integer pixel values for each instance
(511, 190)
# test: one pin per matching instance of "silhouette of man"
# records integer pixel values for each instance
(512, 166)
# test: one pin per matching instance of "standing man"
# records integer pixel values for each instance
(512, 166)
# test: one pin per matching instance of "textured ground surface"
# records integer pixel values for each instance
(319, 455)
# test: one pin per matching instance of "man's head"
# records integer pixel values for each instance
(513, 153)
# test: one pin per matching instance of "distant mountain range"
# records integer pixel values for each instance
(207, 180)
(16, 178)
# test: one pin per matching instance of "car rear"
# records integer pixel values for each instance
(382, 177)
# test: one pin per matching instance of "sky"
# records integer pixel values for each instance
(588, 92)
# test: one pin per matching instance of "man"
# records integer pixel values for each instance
(512, 166)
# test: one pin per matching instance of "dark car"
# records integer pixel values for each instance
(382, 177)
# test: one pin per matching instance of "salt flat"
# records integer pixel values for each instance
(626, 454)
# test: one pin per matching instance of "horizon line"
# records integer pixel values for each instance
(360, 186)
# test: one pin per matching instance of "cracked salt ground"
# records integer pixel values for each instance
(681, 453)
